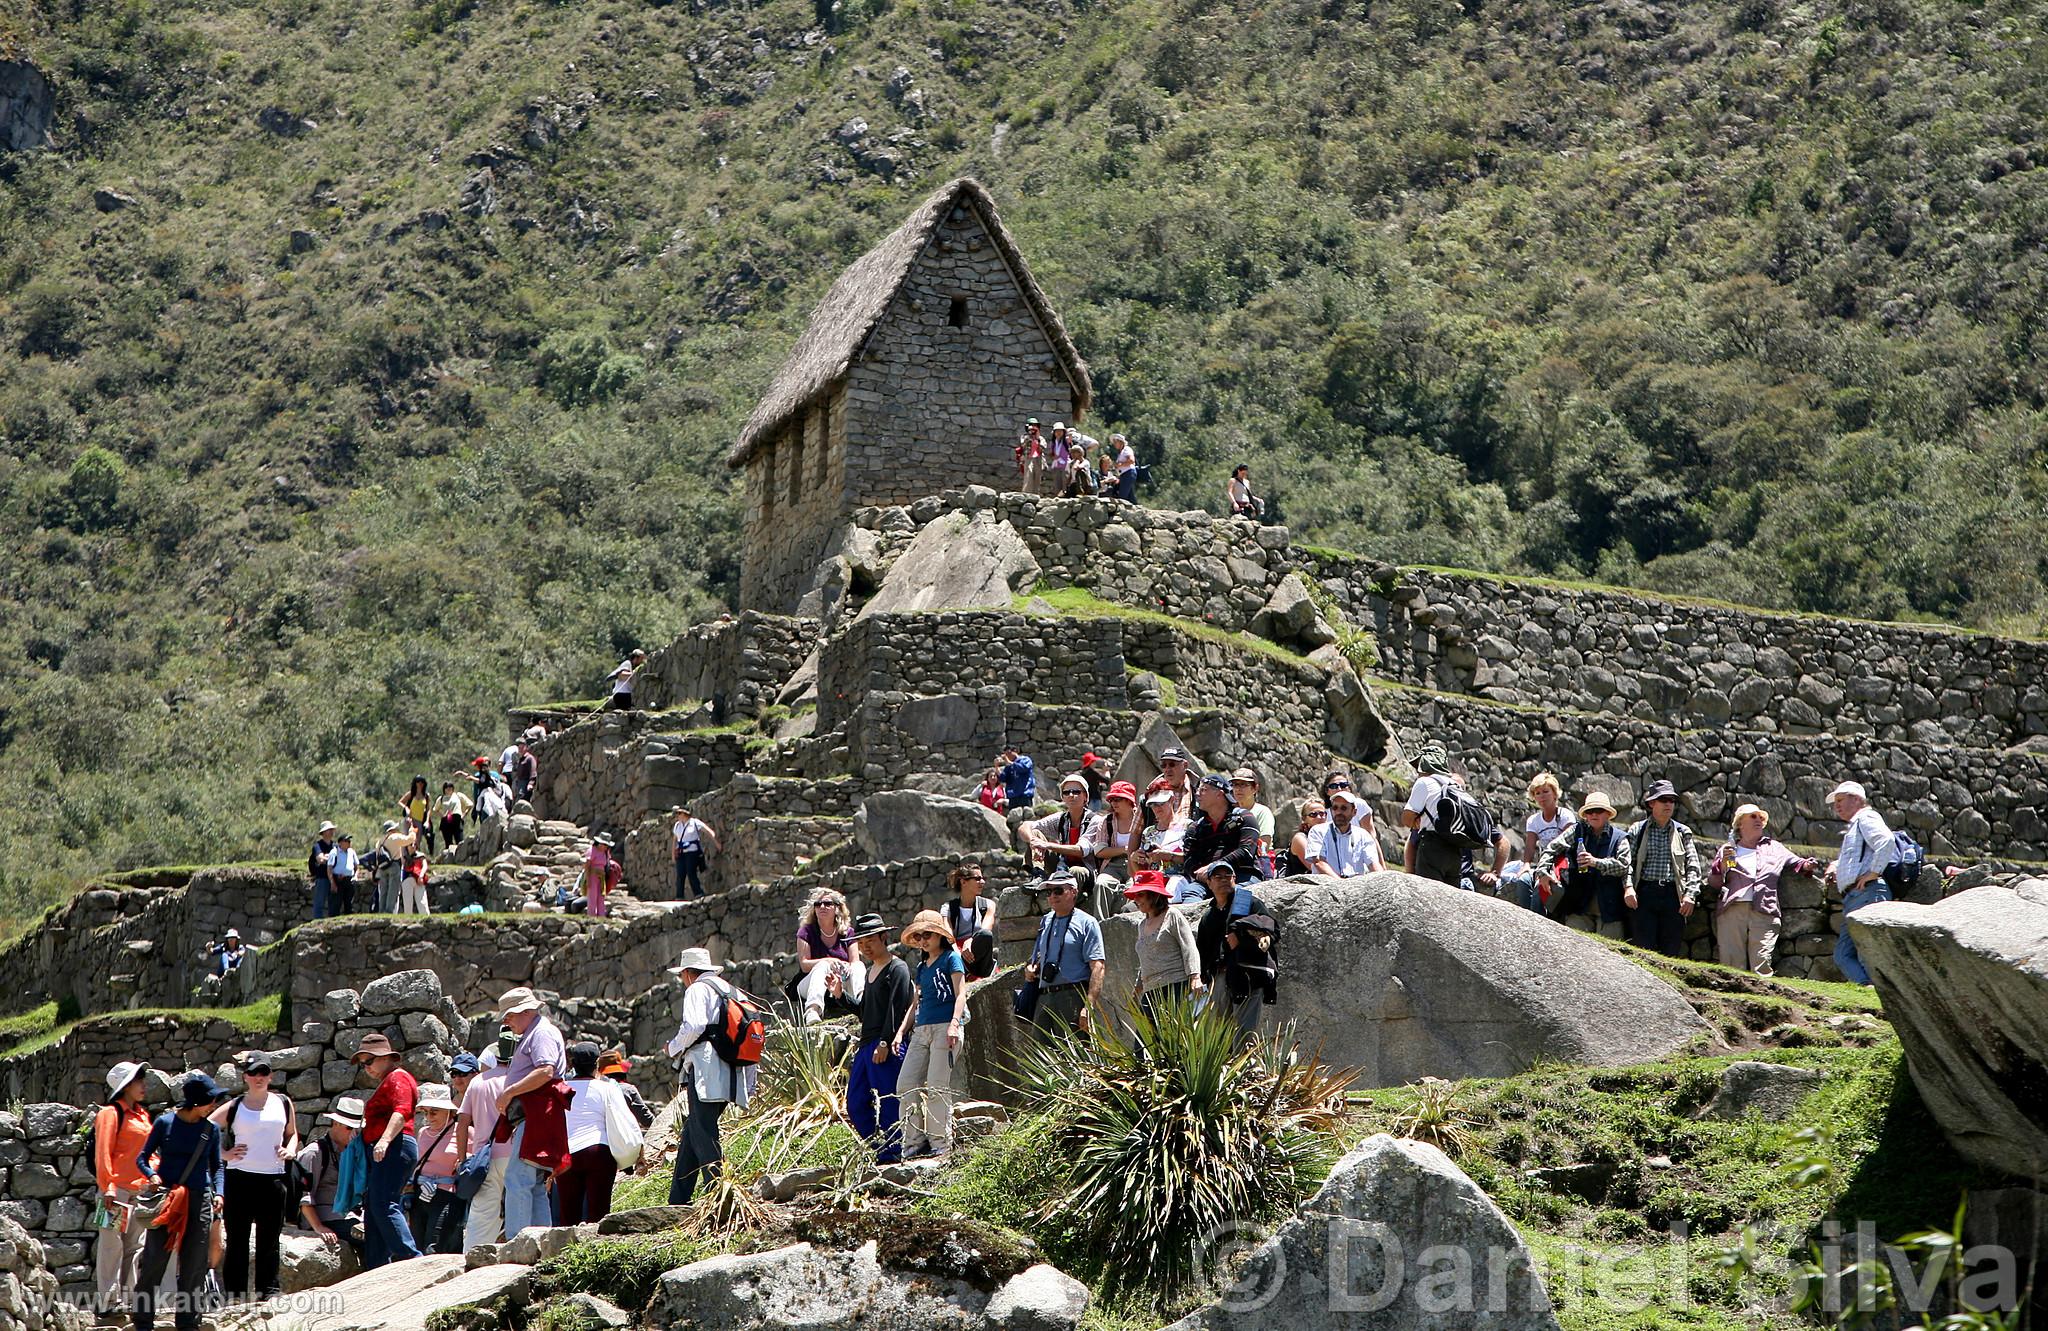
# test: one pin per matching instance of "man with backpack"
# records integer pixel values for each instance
(1664, 874)
(317, 1171)
(1866, 869)
(1587, 868)
(718, 1047)
(1446, 821)
(534, 1082)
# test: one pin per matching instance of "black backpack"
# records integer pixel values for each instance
(1462, 820)
(1903, 873)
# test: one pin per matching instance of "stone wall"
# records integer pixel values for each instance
(1696, 664)
(1035, 659)
(617, 768)
(1956, 801)
(797, 488)
(896, 735)
(73, 1069)
(737, 665)
(109, 949)
(1262, 688)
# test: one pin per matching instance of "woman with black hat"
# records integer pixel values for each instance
(181, 1162)
(259, 1135)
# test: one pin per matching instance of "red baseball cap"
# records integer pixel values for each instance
(1088, 760)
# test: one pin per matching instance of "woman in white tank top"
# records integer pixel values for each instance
(259, 1124)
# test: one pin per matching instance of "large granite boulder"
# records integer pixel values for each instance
(1965, 984)
(1397, 1239)
(892, 826)
(956, 563)
(25, 106)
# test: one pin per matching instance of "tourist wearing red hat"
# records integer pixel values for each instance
(1168, 964)
(1114, 836)
(1098, 781)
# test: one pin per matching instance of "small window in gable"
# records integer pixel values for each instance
(956, 312)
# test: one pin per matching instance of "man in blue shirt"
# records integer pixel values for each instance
(1020, 785)
(182, 1151)
(1858, 870)
(1067, 960)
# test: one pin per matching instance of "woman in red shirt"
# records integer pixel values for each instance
(122, 1126)
(394, 1151)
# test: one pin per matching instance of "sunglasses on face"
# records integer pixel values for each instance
(1319, 813)
(1340, 785)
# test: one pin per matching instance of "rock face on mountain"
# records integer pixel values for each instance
(954, 563)
(1965, 982)
(1371, 1251)
(1404, 978)
(25, 105)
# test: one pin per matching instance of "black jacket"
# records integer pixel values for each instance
(885, 1000)
(1235, 841)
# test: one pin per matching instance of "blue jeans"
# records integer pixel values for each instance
(526, 1192)
(689, 874)
(386, 1235)
(1846, 959)
(321, 900)
(872, 1104)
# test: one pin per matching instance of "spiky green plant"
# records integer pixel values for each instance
(1176, 1136)
(1438, 1117)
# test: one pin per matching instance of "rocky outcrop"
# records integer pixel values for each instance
(25, 106)
(1965, 984)
(28, 1291)
(1405, 978)
(403, 1295)
(1372, 1249)
(801, 1285)
(897, 825)
(956, 562)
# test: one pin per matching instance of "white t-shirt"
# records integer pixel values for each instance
(622, 678)
(507, 758)
(689, 833)
(490, 804)
(1548, 829)
(1351, 852)
(262, 1131)
(1423, 797)
(1126, 458)
(586, 1111)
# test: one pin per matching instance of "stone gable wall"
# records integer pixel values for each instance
(615, 769)
(797, 488)
(1049, 661)
(737, 665)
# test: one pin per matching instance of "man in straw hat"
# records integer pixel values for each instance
(533, 1081)
(1587, 865)
(1746, 874)
(871, 1100)
(320, 1165)
(1067, 960)
(709, 1082)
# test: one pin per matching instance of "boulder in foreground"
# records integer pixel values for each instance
(1397, 1239)
(1965, 984)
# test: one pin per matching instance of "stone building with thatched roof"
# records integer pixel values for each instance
(914, 376)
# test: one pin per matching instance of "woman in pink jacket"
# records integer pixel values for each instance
(1746, 872)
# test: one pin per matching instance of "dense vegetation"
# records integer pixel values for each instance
(390, 384)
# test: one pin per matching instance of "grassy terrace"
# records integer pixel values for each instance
(40, 1027)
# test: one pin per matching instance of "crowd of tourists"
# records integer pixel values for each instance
(1064, 463)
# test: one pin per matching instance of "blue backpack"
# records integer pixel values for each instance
(1903, 873)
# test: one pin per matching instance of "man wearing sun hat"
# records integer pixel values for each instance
(319, 871)
(872, 1105)
(1067, 960)
(320, 1166)
(1858, 871)
(1588, 866)
(1664, 874)
(534, 1080)
(709, 1082)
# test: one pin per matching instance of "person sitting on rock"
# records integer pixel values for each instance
(1664, 874)
(1020, 782)
(1314, 814)
(1221, 831)
(1060, 840)
(320, 1170)
(1347, 844)
(1082, 482)
(1217, 942)
(1550, 819)
(621, 680)
(1588, 867)
(1858, 868)
(1244, 792)
(1745, 877)
(1175, 777)
(1067, 959)
(231, 954)
(1114, 836)
(971, 916)
(824, 956)
(872, 1104)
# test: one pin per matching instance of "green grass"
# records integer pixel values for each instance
(38, 1031)
(1080, 603)
(1169, 690)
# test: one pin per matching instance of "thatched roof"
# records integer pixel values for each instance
(841, 324)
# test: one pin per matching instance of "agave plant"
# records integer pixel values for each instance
(1438, 1117)
(1177, 1136)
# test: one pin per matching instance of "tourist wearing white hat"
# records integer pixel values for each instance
(540, 1142)
(120, 1127)
(709, 1082)
(320, 1165)
(1588, 865)
(231, 954)
(1746, 873)
(1858, 871)
(437, 1214)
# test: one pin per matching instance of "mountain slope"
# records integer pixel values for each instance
(394, 382)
